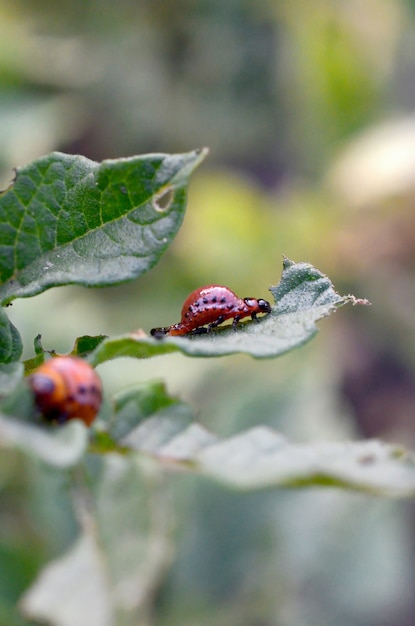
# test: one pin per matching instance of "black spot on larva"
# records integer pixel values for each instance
(229, 307)
(82, 389)
(214, 299)
(197, 304)
(223, 300)
(187, 314)
(205, 300)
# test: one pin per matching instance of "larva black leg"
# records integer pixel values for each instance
(235, 321)
(217, 322)
(254, 317)
(201, 330)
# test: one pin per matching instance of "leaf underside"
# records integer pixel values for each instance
(261, 458)
(257, 458)
(150, 422)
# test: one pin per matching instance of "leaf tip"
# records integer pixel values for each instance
(286, 262)
(203, 152)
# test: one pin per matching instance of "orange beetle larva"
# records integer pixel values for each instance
(66, 388)
(213, 305)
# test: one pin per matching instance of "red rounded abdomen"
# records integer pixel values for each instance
(206, 304)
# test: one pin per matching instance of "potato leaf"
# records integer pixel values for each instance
(67, 219)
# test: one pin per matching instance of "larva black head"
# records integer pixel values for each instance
(264, 306)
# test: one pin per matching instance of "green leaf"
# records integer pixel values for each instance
(67, 219)
(134, 405)
(86, 344)
(33, 363)
(303, 296)
(10, 342)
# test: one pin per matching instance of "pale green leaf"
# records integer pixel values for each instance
(61, 447)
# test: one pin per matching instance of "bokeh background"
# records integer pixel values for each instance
(308, 108)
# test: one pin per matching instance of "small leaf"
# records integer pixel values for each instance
(67, 219)
(31, 364)
(134, 405)
(86, 344)
(10, 342)
(37, 344)
(303, 296)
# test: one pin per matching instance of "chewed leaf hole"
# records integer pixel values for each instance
(162, 201)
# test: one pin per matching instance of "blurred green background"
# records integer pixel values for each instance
(308, 110)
